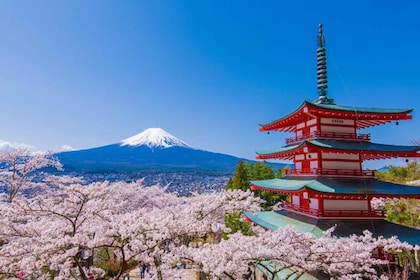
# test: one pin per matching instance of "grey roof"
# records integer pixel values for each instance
(273, 220)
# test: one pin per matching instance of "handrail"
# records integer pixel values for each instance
(328, 135)
(335, 213)
(331, 172)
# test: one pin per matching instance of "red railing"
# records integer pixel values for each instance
(354, 213)
(336, 213)
(331, 172)
(328, 135)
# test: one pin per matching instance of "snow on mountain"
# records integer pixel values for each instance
(154, 138)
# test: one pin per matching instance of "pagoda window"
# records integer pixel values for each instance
(314, 164)
(311, 156)
(295, 200)
(298, 165)
(314, 204)
(313, 129)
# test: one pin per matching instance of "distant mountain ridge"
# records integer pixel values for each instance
(153, 150)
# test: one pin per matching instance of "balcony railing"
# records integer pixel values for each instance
(328, 135)
(331, 172)
(335, 213)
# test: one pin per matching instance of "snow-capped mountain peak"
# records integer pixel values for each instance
(154, 138)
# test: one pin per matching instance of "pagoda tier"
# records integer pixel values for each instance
(343, 158)
(313, 115)
(331, 198)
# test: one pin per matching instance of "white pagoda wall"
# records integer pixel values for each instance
(337, 125)
(340, 161)
(341, 129)
(339, 204)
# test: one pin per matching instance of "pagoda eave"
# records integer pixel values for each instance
(363, 119)
(388, 155)
(289, 122)
(365, 155)
(367, 151)
(340, 196)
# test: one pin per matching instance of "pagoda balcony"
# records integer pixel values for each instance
(335, 214)
(328, 135)
(331, 172)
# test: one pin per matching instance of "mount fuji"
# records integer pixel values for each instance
(153, 150)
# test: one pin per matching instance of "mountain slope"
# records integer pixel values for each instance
(152, 150)
(114, 157)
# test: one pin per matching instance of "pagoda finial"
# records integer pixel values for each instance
(322, 69)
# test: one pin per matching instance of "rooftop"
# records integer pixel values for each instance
(347, 186)
(272, 220)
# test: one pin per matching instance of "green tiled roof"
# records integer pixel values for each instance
(272, 220)
(344, 227)
(363, 109)
(347, 108)
(340, 186)
(292, 185)
(344, 145)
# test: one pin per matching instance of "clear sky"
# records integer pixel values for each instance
(91, 73)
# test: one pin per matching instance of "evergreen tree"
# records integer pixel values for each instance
(403, 211)
(245, 173)
(235, 222)
(240, 178)
(261, 171)
(400, 174)
(280, 173)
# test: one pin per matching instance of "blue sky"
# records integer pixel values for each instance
(91, 73)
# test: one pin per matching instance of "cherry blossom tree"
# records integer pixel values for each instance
(46, 235)
(49, 231)
(295, 252)
(52, 234)
(17, 169)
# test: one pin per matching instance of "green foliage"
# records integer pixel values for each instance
(404, 212)
(246, 172)
(102, 255)
(240, 179)
(280, 173)
(400, 174)
(260, 171)
(51, 273)
(111, 267)
(235, 222)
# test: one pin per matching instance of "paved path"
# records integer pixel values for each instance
(187, 274)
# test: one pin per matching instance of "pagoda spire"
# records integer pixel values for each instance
(322, 69)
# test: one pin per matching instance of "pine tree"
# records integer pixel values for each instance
(280, 173)
(240, 178)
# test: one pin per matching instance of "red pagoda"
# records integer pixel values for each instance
(327, 185)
